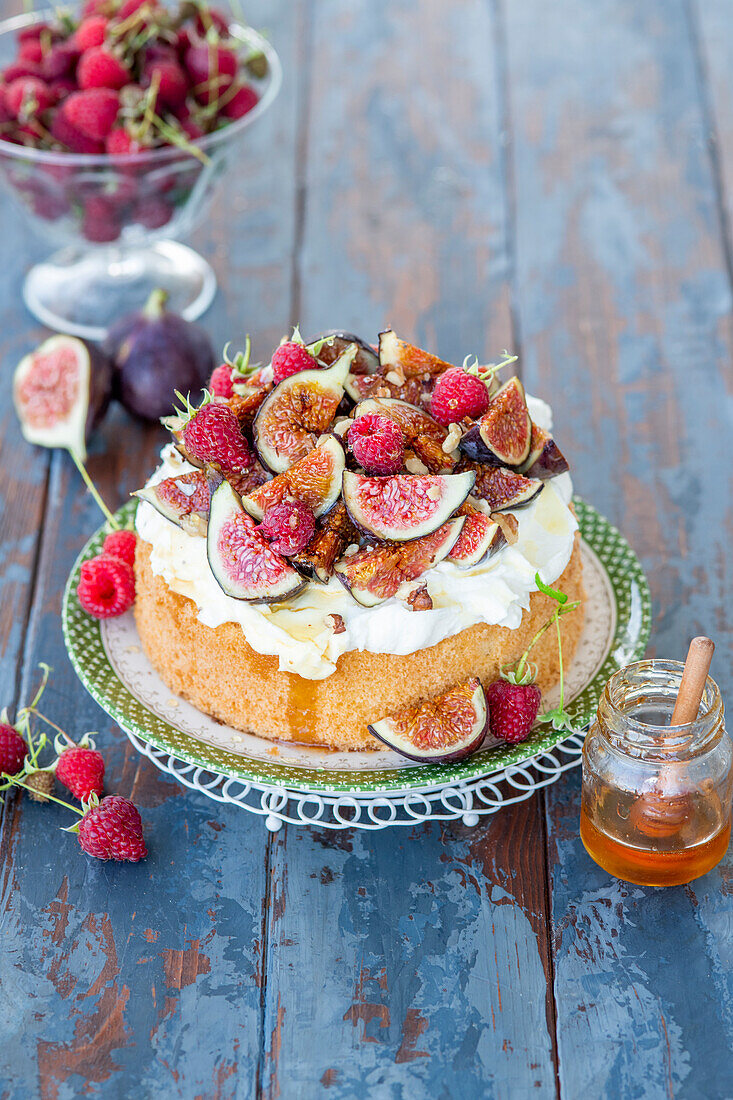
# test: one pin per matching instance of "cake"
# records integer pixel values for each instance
(411, 581)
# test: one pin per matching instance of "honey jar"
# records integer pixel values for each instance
(656, 802)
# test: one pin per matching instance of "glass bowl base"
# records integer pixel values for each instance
(84, 292)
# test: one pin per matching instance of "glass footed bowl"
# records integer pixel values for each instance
(107, 263)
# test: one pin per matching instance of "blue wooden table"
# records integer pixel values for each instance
(556, 178)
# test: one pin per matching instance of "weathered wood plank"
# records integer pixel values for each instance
(408, 963)
(623, 301)
(145, 980)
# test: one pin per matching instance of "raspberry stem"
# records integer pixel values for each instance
(13, 781)
(93, 490)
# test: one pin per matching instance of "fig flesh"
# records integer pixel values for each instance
(445, 729)
(366, 360)
(412, 361)
(184, 500)
(424, 436)
(333, 534)
(503, 489)
(154, 353)
(405, 372)
(243, 563)
(298, 411)
(374, 575)
(314, 480)
(61, 391)
(504, 430)
(246, 403)
(404, 506)
(545, 459)
(480, 537)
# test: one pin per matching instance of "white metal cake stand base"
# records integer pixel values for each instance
(469, 800)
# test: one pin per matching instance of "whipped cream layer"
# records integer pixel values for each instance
(298, 633)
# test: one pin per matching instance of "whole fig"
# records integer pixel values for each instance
(155, 352)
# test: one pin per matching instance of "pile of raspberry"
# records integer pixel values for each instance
(107, 583)
(85, 87)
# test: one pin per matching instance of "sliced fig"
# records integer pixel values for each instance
(503, 489)
(299, 409)
(545, 459)
(366, 360)
(445, 729)
(412, 361)
(61, 391)
(404, 506)
(315, 480)
(332, 536)
(246, 402)
(424, 436)
(374, 575)
(243, 563)
(405, 372)
(184, 500)
(480, 538)
(504, 430)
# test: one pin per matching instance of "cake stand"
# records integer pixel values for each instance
(303, 785)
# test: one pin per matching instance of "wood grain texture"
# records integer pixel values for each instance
(623, 301)
(137, 980)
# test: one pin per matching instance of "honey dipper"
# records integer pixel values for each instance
(661, 814)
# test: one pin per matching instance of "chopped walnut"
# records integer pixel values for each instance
(342, 425)
(433, 493)
(451, 441)
(351, 550)
(396, 376)
(419, 599)
(336, 623)
(415, 466)
(508, 524)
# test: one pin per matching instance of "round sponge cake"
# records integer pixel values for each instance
(220, 673)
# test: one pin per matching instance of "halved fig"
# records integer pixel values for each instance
(444, 729)
(480, 538)
(366, 360)
(424, 436)
(545, 459)
(502, 435)
(333, 534)
(502, 489)
(184, 500)
(404, 506)
(298, 411)
(315, 480)
(374, 575)
(243, 563)
(61, 391)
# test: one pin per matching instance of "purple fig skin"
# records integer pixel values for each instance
(155, 352)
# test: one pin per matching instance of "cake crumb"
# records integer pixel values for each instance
(336, 623)
(419, 599)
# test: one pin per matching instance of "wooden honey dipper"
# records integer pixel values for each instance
(659, 813)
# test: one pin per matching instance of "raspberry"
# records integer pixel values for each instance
(12, 750)
(32, 50)
(241, 103)
(220, 383)
(60, 61)
(21, 68)
(213, 434)
(290, 358)
(289, 526)
(458, 394)
(113, 830)
(121, 544)
(74, 140)
(153, 212)
(106, 587)
(81, 770)
(377, 444)
(120, 144)
(100, 223)
(91, 32)
(27, 95)
(172, 82)
(98, 68)
(212, 70)
(92, 112)
(512, 710)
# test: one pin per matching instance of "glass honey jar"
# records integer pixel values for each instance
(656, 803)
